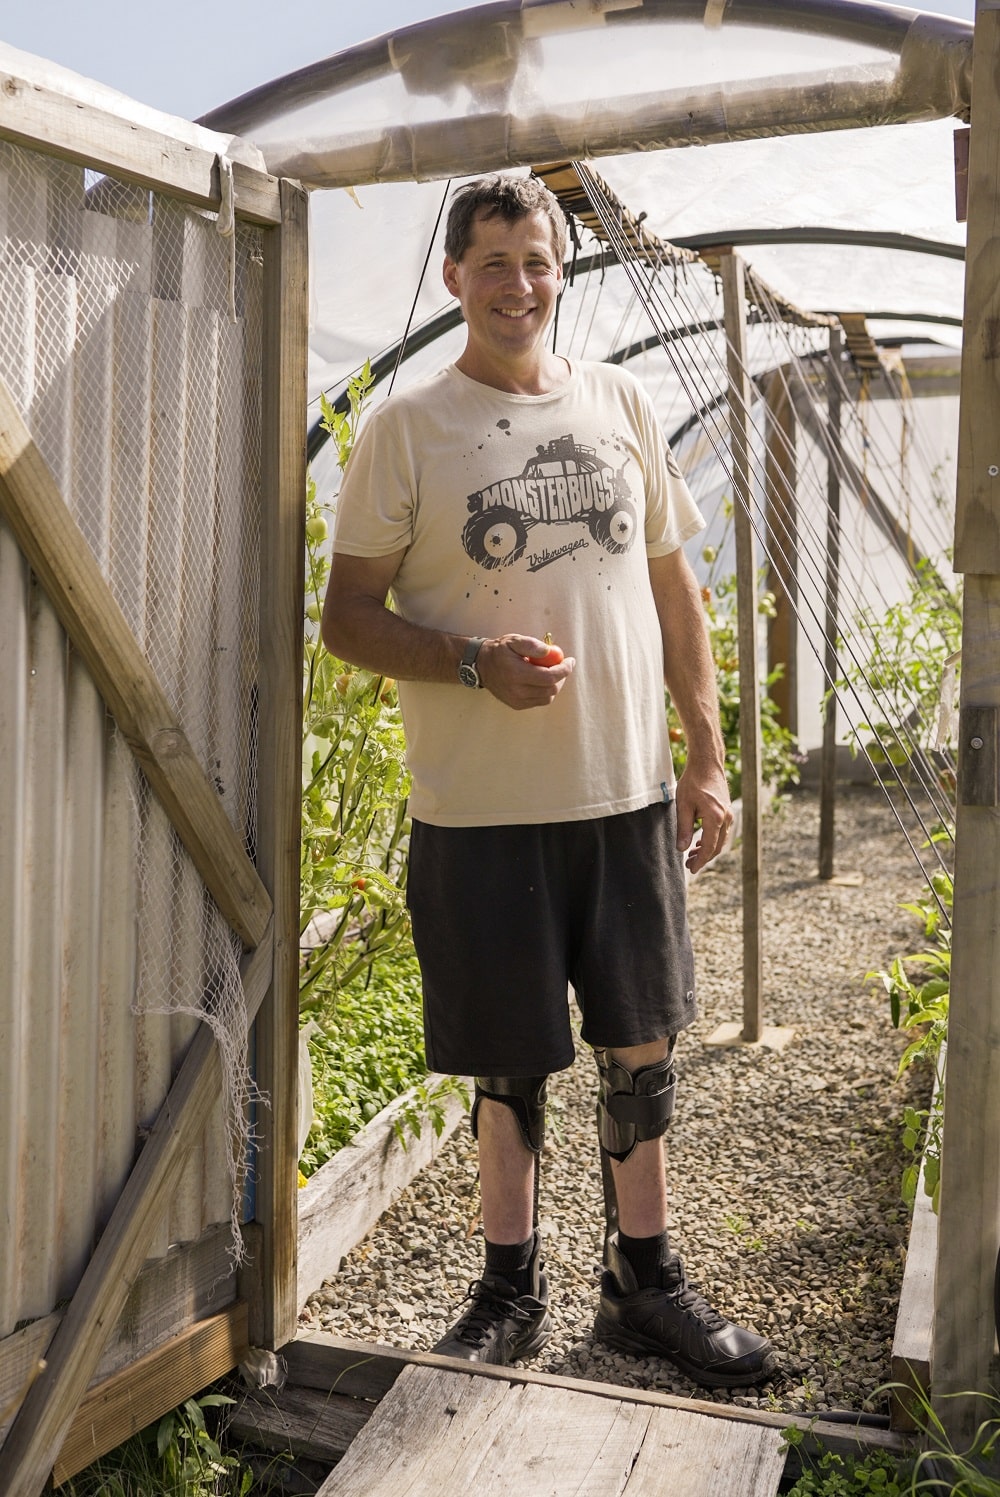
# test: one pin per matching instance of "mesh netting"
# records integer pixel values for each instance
(137, 370)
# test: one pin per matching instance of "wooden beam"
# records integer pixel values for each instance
(367, 1371)
(151, 1387)
(283, 458)
(740, 395)
(831, 625)
(969, 1210)
(189, 1284)
(344, 1200)
(65, 565)
(45, 120)
(782, 523)
(319, 1424)
(40, 1428)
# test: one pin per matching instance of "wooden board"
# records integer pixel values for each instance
(282, 584)
(368, 1371)
(299, 1422)
(344, 1199)
(148, 1389)
(440, 1433)
(43, 119)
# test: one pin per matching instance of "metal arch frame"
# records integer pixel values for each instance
(443, 322)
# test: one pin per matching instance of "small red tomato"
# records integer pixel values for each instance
(552, 655)
(359, 883)
(676, 734)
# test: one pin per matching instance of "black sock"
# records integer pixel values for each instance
(512, 1261)
(647, 1256)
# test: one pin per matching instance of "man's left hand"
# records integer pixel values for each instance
(702, 796)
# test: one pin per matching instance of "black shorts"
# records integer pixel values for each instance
(507, 918)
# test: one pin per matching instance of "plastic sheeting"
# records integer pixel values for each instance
(831, 116)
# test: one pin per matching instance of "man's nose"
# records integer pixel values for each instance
(518, 279)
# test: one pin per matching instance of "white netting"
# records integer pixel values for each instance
(142, 391)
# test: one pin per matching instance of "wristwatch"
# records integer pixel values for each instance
(467, 673)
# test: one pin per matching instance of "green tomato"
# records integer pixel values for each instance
(317, 528)
(313, 612)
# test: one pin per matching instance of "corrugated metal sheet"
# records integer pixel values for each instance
(142, 393)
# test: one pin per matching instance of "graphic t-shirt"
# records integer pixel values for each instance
(527, 514)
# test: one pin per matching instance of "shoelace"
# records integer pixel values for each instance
(688, 1297)
(481, 1317)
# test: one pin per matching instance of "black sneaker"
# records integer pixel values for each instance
(501, 1326)
(676, 1322)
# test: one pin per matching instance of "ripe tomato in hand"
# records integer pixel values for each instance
(552, 655)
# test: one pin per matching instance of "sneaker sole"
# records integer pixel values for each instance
(633, 1341)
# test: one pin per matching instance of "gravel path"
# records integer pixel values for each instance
(784, 1166)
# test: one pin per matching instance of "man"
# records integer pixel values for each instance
(504, 501)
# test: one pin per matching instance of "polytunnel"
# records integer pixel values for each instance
(767, 205)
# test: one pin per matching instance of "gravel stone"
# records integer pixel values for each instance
(784, 1167)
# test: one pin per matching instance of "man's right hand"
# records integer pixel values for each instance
(505, 672)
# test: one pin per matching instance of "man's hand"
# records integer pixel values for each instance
(504, 671)
(702, 796)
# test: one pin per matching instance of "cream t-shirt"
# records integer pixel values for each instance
(531, 514)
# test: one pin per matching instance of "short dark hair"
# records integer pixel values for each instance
(509, 198)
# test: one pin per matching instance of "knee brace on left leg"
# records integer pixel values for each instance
(633, 1106)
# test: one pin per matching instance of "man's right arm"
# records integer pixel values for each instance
(358, 627)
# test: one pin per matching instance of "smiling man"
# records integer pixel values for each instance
(512, 498)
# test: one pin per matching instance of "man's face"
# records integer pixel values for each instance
(507, 283)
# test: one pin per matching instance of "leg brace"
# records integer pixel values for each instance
(525, 1096)
(632, 1106)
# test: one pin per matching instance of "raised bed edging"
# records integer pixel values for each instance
(345, 1198)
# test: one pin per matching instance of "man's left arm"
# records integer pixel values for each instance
(689, 674)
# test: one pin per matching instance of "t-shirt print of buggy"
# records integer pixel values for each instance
(564, 483)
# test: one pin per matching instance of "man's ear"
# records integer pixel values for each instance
(449, 275)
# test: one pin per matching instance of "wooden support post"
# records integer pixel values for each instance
(969, 1221)
(286, 309)
(828, 762)
(735, 313)
(43, 1422)
(782, 529)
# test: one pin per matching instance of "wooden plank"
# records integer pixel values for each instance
(150, 1387)
(50, 538)
(740, 435)
(343, 1200)
(300, 1421)
(45, 120)
(363, 1370)
(969, 1211)
(555, 1440)
(705, 1457)
(443, 1433)
(40, 1427)
(283, 481)
(782, 528)
(188, 1285)
(914, 1333)
(427, 1428)
(831, 622)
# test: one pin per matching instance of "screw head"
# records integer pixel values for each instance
(975, 743)
(993, 470)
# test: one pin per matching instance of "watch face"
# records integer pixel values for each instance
(468, 675)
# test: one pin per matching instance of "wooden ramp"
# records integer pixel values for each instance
(439, 1433)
